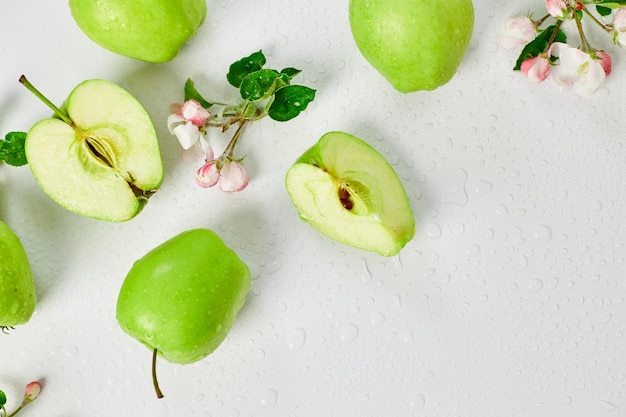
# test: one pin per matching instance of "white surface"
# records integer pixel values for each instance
(510, 301)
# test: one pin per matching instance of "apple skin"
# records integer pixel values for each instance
(183, 296)
(380, 218)
(414, 44)
(17, 287)
(148, 30)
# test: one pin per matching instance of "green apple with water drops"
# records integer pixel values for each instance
(348, 191)
(148, 30)
(181, 298)
(414, 44)
(99, 154)
(18, 297)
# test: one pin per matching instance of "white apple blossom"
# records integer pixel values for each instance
(187, 123)
(576, 69)
(619, 26)
(536, 68)
(517, 32)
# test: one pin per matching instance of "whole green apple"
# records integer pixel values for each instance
(181, 298)
(99, 154)
(347, 190)
(414, 44)
(149, 30)
(17, 288)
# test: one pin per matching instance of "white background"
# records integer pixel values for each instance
(509, 301)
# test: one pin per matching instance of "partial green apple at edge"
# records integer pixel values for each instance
(18, 297)
(99, 155)
(181, 298)
(149, 30)
(347, 190)
(415, 44)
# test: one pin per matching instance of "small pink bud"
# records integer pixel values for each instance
(208, 175)
(557, 8)
(536, 68)
(32, 391)
(517, 31)
(233, 177)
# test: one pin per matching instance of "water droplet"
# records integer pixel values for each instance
(484, 187)
(473, 250)
(543, 233)
(417, 401)
(296, 339)
(377, 319)
(348, 333)
(269, 398)
(457, 196)
(608, 406)
(433, 230)
(535, 285)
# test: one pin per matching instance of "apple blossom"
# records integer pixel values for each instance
(536, 68)
(576, 69)
(557, 8)
(187, 123)
(517, 32)
(619, 26)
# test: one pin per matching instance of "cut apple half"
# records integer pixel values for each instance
(103, 159)
(348, 191)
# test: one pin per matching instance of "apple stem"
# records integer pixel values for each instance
(155, 382)
(60, 114)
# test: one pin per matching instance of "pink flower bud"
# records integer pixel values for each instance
(32, 391)
(536, 68)
(233, 177)
(193, 112)
(557, 8)
(208, 175)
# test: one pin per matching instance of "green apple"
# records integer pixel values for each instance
(181, 298)
(415, 44)
(17, 288)
(348, 191)
(99, 155)
(149, 30)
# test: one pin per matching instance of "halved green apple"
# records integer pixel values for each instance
(99, 155)
(348, 191)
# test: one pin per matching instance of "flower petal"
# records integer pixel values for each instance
(187, 134)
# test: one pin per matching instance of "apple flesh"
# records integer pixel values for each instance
(348, 191)
(148, 30)
(17, 287)
(414, 44)
(104, 160)
(181, 298)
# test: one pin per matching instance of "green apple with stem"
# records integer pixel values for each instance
(98, 155)
(17, 287)
(149, 30)
(182, 297)
(348, 191)
(414, 44)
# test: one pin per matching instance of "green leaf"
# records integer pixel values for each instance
(259, 84)
(540, 44)
(290, 101)
(290, 72)
(12, 149)
(240, 69)
(603, 11)
(3, 398)
(192, 94)
(611, 3)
